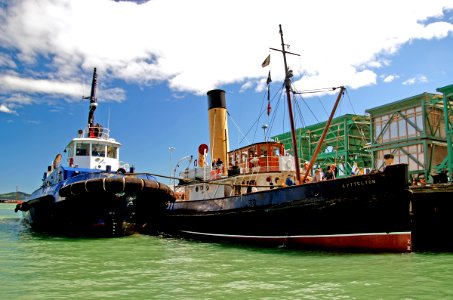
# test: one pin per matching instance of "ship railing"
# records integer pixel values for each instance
(262, 164)
(200, 173)
(95, 132)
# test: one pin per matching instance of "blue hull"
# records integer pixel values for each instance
(96, 205)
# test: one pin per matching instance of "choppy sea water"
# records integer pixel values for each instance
(37, 266)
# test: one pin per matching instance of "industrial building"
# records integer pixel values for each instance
(417, 131)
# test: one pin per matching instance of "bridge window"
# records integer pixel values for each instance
(82, 149)
(263, 150)
(112, 151)
(70, 150)
(98, 150)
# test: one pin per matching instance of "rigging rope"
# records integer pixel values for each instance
(350, 103)
(238, 128)
(274, 113)
(262, 111)
(362, 134)
(308, 107)
(321, 90)
(301, 116)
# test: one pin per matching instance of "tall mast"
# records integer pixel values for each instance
(290, 106)
(93, 103)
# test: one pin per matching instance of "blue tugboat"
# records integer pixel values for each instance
(93, 194)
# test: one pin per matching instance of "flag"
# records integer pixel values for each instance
(269, 80)
(269, 108)
(267, 61)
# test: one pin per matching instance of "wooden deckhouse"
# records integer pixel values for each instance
(258, 158)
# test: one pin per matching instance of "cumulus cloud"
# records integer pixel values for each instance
(5, 109)
(18, 99)
(390, 78)
(417, 79)
(196, 45)
(73, 90)
(10, 104)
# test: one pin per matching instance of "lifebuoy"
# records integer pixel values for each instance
(56, 161)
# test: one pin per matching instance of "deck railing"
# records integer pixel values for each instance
(260, 164)
(95, 132)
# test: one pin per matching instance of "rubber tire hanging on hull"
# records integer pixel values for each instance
(114, 185)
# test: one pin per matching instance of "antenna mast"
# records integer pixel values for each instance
(93, 100)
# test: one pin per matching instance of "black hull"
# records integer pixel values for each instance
(360, 213)
(103, 207)
(96, 215)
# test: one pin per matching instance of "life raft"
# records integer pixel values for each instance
(115, 185)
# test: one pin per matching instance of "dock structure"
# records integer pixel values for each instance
(447, 163)
(432, 217)
(416, 131)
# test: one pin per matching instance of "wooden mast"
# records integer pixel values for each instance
(290, 106)
(288, 75)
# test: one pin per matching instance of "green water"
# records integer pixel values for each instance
(34, 266)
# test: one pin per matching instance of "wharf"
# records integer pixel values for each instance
(432, 217)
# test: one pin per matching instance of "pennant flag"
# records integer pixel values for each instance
(267, 61)
(269, 80)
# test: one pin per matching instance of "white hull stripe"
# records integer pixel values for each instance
(294, 236)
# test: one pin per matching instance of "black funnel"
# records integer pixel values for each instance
(216, 99)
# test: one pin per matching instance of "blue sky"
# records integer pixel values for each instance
(157, 59)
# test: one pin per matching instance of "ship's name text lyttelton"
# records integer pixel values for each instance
(358, 183)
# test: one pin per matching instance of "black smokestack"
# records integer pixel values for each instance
(216, 99)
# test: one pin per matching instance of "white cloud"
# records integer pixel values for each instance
(196, 45)
(19, 99)
(417, 79)
(73, 90)
(6, 109)
(6, 61)
(247, 85)
(390, 78)
(13, 102)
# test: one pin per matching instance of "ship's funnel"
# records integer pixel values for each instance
(218, 127)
